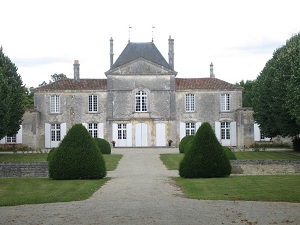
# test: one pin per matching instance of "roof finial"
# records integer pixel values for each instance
(129, 27)
(212, 75)
(152, 31)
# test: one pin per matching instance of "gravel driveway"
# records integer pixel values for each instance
(141, 192)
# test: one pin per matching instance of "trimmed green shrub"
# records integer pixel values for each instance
(184, 141)
(230, 155)
(296, 144)
(50, 154)
(103, 145)
(77, 157)
(205, 157)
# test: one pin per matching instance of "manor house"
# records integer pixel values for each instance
(140, 103)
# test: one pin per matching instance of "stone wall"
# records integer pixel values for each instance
(265, 167)
(24, 169)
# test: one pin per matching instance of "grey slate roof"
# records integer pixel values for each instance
(135, 50)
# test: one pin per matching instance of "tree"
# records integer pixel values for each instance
(276, 91)
(205, 156)
(54, 77)
(28, 98)
(11, 101)
(247, 92)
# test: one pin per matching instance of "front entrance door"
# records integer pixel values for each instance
(141, 134)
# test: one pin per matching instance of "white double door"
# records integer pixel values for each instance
(141, 135)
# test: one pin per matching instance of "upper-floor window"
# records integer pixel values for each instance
(54, 103)
(55, 132)
(122, 131)
(140, 101)
(225, 102)
(11, 139)
(190, 129)
(225, 130)
(190, 103)
(93, 129)
(93, 103)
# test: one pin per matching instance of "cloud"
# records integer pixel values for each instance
(41, 61)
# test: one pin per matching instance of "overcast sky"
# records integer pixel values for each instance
(238, 36)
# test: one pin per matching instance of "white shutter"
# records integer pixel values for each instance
(129, 134)
(182, 130)
(161, 134)
(115, 133)
(144, 134)
(256, 132)
(198, 124)
(85, 125)
(2, 141)
(47, 135)
(233, 134)
(19, 136)
(218, 130)
(100, 130)
(63, 130)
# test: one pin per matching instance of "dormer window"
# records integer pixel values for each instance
(140, 101)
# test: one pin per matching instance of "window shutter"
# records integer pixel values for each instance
(115, 133)
(182, 130)
(85, 125)
(218, 130)
(2, 141)
(63, 130)
(100, 130)
(47, 135)
(129, 134)
(256, 132)
(233, 133)
(198, 124)
(19, 136)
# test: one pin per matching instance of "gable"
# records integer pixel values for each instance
(141, 66)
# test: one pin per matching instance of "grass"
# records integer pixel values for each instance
(274, 188)
(111, 160)
(172, 160)
(19, 191)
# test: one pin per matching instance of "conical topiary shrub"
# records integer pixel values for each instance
(205, 156)
(77, 157)
(184, 141)
(103, 145)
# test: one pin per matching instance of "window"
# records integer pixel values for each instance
(225, 102)
(55, 132)
(93, 129)
(11, 139)
(93, 103)
(54, 104)
(190, 103)
(122, 131)
(141, 101)
(190, 129)
(225, 130)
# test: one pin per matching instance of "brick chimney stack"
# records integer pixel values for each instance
(171, 52)
(212, 75)
(111, 52)
(76, 70)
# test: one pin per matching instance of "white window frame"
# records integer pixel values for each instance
(54, 104)
(225, 130)
(55, 132)
(11, 139)
(190, 102)
(122, 131)
(93, 103)
(93, 129)
(225, 102)
(141, 101)
(190, 129)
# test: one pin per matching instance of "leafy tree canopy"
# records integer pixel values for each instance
(276, 91)
(28, 98)
(11, 100)
(54, 77)
(247, 92)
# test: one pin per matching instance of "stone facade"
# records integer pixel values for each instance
(141, 103)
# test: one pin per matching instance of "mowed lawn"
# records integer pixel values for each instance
(275, 188)
(19, 191)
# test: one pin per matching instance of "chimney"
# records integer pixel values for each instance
(171, 52)
(111, 52)
(212, 75)
(76, 70)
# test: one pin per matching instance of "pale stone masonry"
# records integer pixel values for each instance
(141, 103)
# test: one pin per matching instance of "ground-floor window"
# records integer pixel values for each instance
(225, 130)
(93, 129)
(122, 131)
(190, 129)
(55, 132)
(11, 139)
